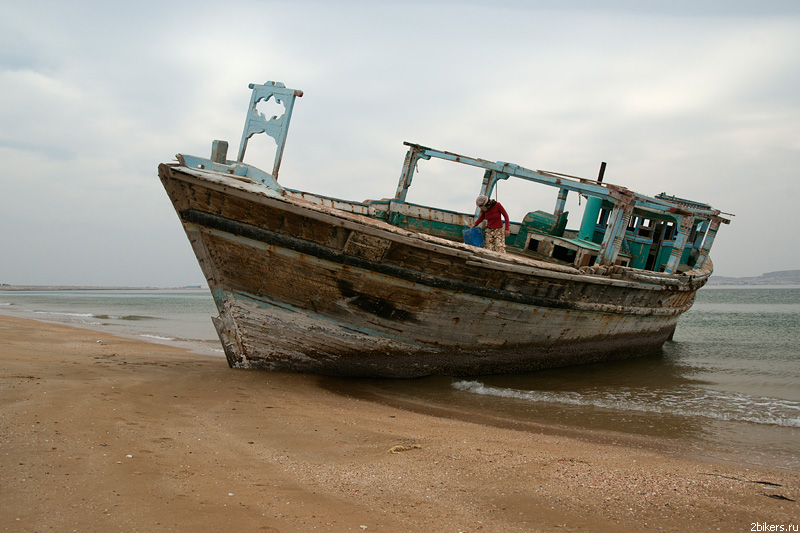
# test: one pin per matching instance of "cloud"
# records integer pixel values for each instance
(699, 100)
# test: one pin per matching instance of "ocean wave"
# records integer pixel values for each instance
(96, 316)
(690, 402)
(125, 317)
(157, 337)
(59, 313)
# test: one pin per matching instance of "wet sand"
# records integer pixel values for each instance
(126, 435)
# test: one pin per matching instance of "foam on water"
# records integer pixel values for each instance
(685, 401)
(54, 313)
(158, 337)
(181, 317)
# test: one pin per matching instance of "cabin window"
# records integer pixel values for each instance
(533, 245)
(644, 227)
(563, 254)
(693, 233)
(658, 230)
(603, 222)
(669, 231)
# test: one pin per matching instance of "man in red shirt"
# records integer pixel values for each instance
(494, 213)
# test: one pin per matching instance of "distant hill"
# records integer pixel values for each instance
(782, 277)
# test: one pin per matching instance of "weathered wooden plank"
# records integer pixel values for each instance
(305, 289)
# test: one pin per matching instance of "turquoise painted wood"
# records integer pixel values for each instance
(276, 126)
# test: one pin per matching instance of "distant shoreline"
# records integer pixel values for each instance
(781, 278)
(775, 285)
(95, 288)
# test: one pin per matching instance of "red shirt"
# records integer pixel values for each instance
(493, 217)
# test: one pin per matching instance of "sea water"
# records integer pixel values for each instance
(181, 316)
(728, 385)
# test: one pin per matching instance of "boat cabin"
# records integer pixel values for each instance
(619, 227)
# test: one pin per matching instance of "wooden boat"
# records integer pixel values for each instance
(386, 288)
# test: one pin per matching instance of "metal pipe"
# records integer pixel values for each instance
(602, 172)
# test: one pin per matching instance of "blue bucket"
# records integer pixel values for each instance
(473, 237)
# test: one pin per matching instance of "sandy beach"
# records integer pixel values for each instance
(105, 433)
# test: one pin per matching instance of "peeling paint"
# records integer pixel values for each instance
(307, 283)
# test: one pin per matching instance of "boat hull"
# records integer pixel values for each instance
(304, 288)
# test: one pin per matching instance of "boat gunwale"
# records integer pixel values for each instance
(644, 280)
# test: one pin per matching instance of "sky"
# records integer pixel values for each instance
(700, 99)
